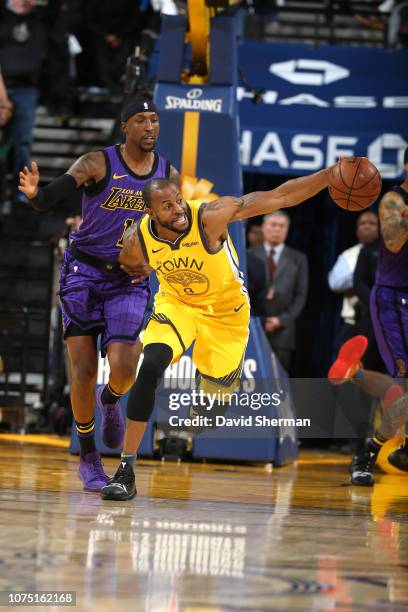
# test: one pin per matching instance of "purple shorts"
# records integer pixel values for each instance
(93, 298)
(389, 314)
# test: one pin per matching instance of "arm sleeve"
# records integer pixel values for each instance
(60, 189)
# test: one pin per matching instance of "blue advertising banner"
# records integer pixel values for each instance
(317, 103)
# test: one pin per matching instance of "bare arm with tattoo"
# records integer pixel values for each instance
(218, 214)
(394, 221)
(395, 417)
(90, 168)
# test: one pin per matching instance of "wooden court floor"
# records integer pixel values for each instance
(202, 537)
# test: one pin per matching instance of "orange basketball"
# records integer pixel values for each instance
(355, 183)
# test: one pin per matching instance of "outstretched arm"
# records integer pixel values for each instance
(218, 214)
(394, 221)
(89, 168)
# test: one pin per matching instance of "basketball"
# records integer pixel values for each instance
(355, 183)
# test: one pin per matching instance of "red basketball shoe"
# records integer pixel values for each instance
(348, 360)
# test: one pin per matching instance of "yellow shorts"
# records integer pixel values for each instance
(219, 337)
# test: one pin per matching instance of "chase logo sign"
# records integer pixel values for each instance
(309, 71)
(306, 106)
(193, 101)
(297, 152)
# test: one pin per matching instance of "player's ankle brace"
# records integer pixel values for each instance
(156, 358)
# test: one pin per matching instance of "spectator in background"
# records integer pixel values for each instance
(256, 274)
(363, 282)
(63, 19)
(260, 15)
(341, 275)
(353, 282)
(287, 283)
(257, 285)
(254, 235)
(22, 48)
(114, 27)
(6, 111)
(166, 7)
(6, 105)
(397, 22)
(398, 25)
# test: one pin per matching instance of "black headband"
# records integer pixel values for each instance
(140, 105)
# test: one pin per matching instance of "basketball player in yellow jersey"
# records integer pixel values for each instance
(201, 297)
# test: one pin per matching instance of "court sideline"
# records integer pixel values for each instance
(205, 536)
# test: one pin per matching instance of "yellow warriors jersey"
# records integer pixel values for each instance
(188, 270)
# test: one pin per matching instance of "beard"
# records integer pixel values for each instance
(172, 228)
(147, 146)
(176, 229)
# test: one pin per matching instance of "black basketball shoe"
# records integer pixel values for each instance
(122, 486)
(361, 468)
(399, 458)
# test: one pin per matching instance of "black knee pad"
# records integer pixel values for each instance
(156, 358)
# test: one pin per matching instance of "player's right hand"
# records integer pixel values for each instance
(29, 179)
(140, 272)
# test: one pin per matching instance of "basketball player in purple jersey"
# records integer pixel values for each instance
(389, 296)
(389, 314)
(97, 296)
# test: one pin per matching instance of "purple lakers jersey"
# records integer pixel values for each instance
(110, 206)
(392, 269)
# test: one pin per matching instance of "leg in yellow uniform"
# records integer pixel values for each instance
(220, 337)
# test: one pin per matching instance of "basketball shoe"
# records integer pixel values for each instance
(348, 360)
(122, 486)
(112, 426)
(91, 472)
(362, 464)
(361, 468)
(399, 458)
